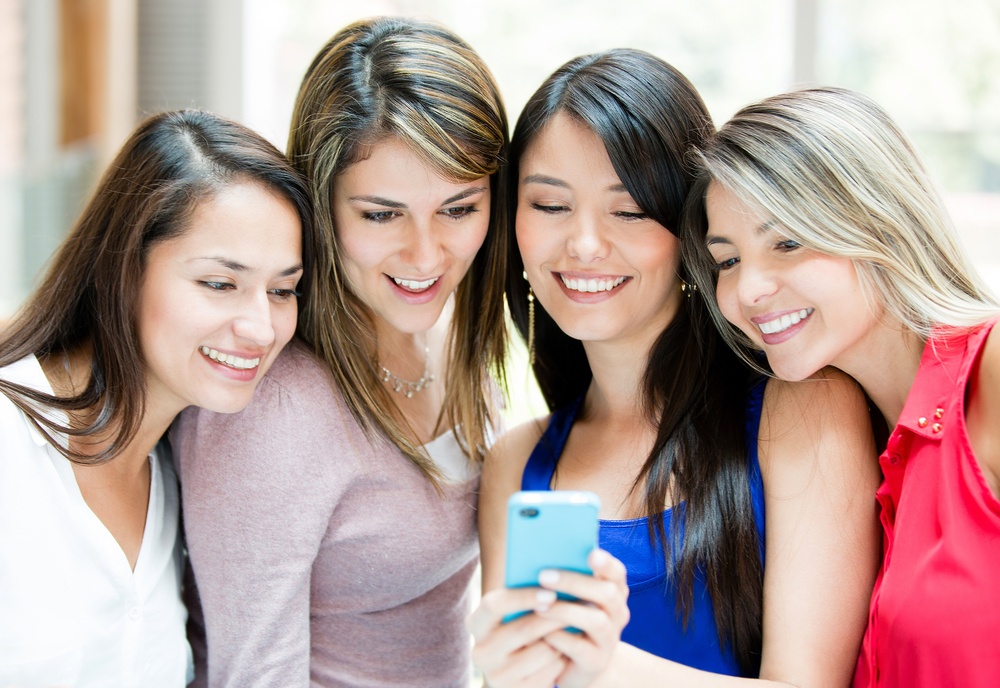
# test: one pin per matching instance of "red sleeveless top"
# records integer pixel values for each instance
(934, 619)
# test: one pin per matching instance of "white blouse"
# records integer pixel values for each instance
(72, 610)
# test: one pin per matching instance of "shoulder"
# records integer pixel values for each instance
(817, 426)
(510, 452)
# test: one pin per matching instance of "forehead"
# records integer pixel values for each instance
(726, 212)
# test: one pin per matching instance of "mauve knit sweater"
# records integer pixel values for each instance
(321, 558)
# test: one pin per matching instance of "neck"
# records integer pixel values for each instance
(886, 367)
(68, 375)
(616, 388)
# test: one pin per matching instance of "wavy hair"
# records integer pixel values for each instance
(834, 171)
(418, 82)
(171, 163)
(648, 115)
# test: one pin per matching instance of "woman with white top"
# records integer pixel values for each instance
(176, 287)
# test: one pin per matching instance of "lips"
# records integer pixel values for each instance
(592, 285)
(229, 360)
(415, 286)
(779, 324)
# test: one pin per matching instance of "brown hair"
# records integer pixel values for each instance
(649, 116)
(89, 296)
(390, 77)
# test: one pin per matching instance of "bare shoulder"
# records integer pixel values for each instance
(818, 426)
(509, 454)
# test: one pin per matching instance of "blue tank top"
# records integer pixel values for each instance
(655, 625)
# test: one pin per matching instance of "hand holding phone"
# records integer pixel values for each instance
(549, 530)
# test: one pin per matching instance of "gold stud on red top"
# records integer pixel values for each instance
(936, 427)
(922, 422)
(939, 413)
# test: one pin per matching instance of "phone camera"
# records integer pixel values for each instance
(529, 512)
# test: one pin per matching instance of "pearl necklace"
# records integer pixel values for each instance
(408, 387)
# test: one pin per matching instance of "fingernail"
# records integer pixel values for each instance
(544, 599)
(599, 557)
(548, 577)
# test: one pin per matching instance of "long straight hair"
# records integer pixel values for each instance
(89, 296)
(648, 115)
(389, 77)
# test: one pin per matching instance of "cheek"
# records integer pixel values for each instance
(466, 244)
(728, 303)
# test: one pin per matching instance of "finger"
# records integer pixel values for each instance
(593, 622)
(538, 664)
(607, 567)
(498, 604)
(504, 640)
(608, 595)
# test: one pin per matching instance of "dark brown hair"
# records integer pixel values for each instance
(390, 77)
(649, 116)
(89, 296)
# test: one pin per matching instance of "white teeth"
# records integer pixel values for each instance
(413, 284)
(784, 322)
(591, 285)
(230, 360)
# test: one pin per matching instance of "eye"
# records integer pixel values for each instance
(216, 286)
(284, 294)
(726, 264)
(379, 217)
(549, 208)
(787, 245)
(459, 211)
(630, 216)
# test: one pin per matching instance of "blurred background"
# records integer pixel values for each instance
(77, 75)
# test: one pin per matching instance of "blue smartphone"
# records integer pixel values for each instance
(549, 530)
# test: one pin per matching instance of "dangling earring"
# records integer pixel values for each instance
(531, 321)
(688, 289)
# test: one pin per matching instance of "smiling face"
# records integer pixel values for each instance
(408, 235)
(217, 302)
(601, 268)
(805, 309)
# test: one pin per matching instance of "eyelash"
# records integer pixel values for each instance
(381, 217)
(785, 246)
(280, 294)
(621, 214)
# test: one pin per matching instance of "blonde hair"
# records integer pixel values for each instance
(391, 77)
(831, 168)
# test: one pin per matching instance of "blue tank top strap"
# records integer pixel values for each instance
(754, 408)
(541, 465)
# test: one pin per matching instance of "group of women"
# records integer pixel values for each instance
(728, 327)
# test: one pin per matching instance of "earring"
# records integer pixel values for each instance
(688, 288)
(531, 321)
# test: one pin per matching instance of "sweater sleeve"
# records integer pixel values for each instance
(258, 497)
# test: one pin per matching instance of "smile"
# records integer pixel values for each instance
(591, 286)
(414, 285)
(230, 360)
(784, 322)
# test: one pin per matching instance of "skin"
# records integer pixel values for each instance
(761, 273)
(226, 283)
(815, 450)
(398, 220)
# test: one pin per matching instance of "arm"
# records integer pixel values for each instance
(983, 412)
(257, 503)
(513, 653)
(820, 475)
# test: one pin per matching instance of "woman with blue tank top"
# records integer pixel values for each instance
(738, 533)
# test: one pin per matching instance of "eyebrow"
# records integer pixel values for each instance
(240, 267)
(762, 228)
(554, 181)
(379, 200)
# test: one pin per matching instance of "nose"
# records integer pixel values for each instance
(422, 250)
(586, 241)
(756, 282)
(254, 322)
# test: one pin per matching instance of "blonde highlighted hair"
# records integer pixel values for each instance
(833, 170)
(389, 77)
